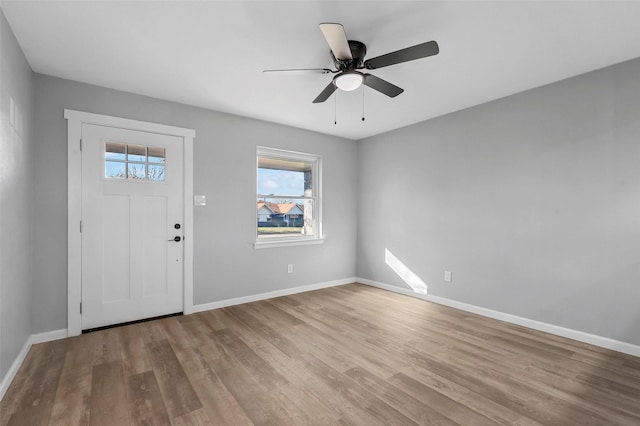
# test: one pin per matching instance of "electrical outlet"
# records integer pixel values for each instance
(290, 268)
(447, 276)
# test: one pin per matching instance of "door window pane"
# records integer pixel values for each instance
(137, 153)
(114, 151)
(114, 170)
(156, 172)
(156, 155)
(136, 171)
(134, 162)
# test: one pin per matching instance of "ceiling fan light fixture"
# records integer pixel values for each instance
(349, 81)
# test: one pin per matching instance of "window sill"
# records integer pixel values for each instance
(287, 243)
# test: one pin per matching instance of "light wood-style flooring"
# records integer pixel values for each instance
(352, 355)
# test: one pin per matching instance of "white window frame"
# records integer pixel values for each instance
(316, 188)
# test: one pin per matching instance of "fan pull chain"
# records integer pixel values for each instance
(335, 109)
(363, 102)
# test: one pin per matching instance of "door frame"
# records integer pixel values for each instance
(75, 120)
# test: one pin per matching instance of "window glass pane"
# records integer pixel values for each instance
(288, 203)
(114, 151)
(114, 170)
(156, 172)
(135, 162)
(136, 171)
(284, 182)
(156, 155)
(136, 153)
(279, 217)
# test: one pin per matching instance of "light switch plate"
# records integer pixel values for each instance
(199, 200)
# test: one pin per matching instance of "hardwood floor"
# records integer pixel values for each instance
(344, 355)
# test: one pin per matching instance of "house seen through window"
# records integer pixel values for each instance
(287, 200)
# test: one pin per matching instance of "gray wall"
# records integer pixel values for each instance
(16, 200)
(532, 201)
(225, 265)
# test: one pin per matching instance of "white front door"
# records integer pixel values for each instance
(132, 219)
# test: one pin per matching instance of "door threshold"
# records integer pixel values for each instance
(122, 324)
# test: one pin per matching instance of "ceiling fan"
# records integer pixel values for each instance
(348, 58)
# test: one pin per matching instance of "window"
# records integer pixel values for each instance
(134, 162)
(288, 205)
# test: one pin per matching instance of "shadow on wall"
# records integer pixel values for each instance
(406, 274)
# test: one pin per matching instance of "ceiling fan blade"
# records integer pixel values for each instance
(302, 71)
(324, 95)
(418, 51)
(382, 86)
(337, 40)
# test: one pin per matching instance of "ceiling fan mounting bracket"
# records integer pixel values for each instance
(358, 52)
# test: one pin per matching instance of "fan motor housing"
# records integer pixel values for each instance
(358, 52)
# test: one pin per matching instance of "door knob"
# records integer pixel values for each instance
(176, 239)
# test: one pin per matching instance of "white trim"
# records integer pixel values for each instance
(61, 334)
(74, 215)
(17, 363)
(48, 336)
(287, 243)
(125, 123)
(188, 223)
(13, 370)
(75, 120)
(271, 294)
(592, 339)
(581, 336)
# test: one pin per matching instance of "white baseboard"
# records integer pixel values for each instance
(48, 336)
(270, 295)
(61, 334)
(13, 370)
(580, 336)
(31, 340)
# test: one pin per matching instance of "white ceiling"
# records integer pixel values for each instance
(211, 53)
